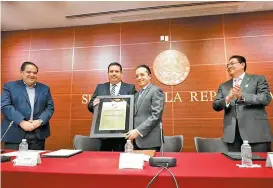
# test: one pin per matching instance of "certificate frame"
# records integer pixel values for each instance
(95, 126)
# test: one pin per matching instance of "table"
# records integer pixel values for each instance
(100, 170)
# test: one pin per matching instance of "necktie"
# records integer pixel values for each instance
(113, 90)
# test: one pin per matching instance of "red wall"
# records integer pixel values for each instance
(74, 60)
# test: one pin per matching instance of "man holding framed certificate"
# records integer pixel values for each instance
(110, 95)
(148, 110)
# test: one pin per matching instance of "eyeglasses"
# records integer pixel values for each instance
(231, 64)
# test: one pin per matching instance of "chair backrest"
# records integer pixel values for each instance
(86, 143)
(173, 143)
(210, 145)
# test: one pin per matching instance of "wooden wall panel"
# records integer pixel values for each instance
(15, 40)
(80, 127)
(190, 108)
(52, 38)
(253, 48)
(168, 128)
(62, 106)
(248, 24)
(59, 82)
(97, 35)
(79, 108)
(134, 55)
(72, 61)
(60, 135)
(11, 60)
(203, 78)
(204, 27)
(86, 81)
(144, 31)
(95, 57)
(190, 128)
(52, 60)
(212, 51)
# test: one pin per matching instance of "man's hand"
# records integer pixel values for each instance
(36, 123)
(96, 101)
(26, 125)
(237, 91)
(131, 135)
(230, 96)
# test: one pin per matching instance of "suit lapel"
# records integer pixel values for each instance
(245, 81)
(121, 90)
(107, 87)
(24, 90)
(140, 100)
(37, 92)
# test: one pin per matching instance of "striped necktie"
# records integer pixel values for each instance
(113, 90)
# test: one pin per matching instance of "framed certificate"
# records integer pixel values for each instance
(113, 116)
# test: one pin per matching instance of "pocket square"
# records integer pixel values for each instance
(246, 85)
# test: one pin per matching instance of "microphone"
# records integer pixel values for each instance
(10, 124)
(5, 158)
(162, 161)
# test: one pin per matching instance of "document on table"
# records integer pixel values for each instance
(62, 153)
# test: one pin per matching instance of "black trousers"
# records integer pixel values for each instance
(113, 144)
(255, 147)
(33, 143)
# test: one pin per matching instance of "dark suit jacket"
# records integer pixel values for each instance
(148, 116)
(251, 114)
(104, 89)
(16, 107)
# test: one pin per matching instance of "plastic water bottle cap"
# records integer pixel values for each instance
(128, 141)
(245, 141)
(24, 140)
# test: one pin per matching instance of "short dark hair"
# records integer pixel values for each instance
(23, 66)
(240, 59)
(146, 67)
(115, 64)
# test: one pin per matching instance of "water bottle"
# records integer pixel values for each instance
(246, 154)
(23, 146)
(129, 147)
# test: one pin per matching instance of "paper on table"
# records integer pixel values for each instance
(15, 153)
(131, 160)
(269, 160)
(62, 153)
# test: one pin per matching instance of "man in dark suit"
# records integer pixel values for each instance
(149, 106)
(29, 104)
(115, 86)
(243, 99)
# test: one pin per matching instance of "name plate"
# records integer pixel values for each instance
(27, 158)
(269, 160)
(131, 160)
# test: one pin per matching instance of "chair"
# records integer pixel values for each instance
(173, 143)
(86, 143)
(210, 145)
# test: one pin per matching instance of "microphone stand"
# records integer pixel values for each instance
(6, 158)
(162, 161)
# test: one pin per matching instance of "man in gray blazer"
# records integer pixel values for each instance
(115, 86)
(243, 99)
(149, 106)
